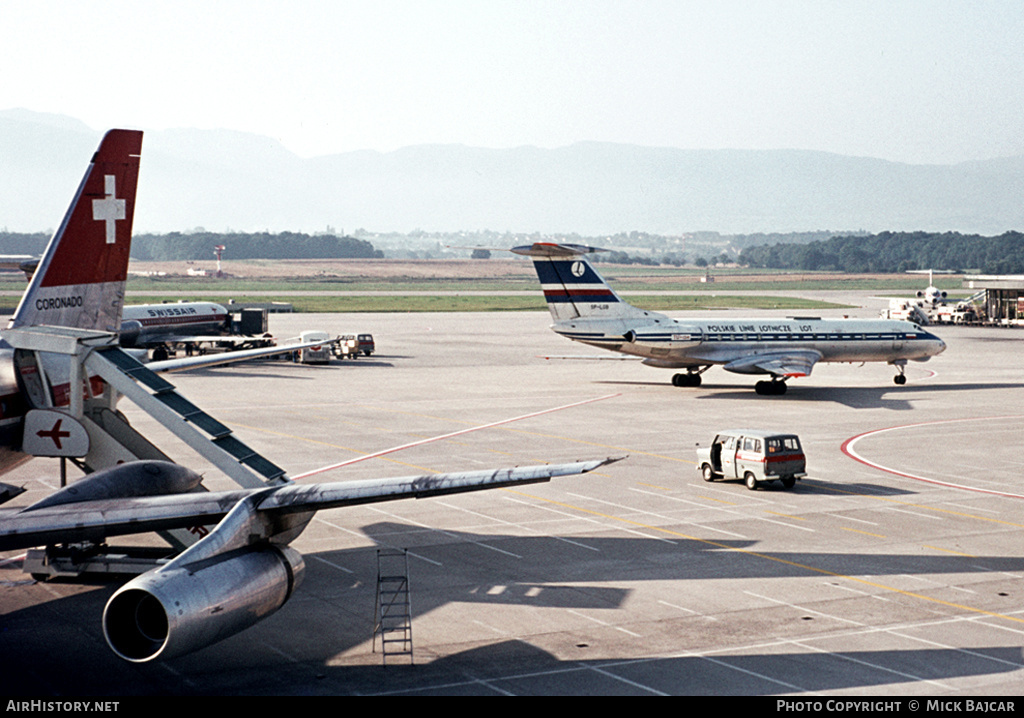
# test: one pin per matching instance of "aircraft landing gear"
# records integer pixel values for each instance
(690, 378)
(900, 365)
(686, 380)
(775, 387)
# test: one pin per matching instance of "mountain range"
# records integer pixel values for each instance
(225, 180)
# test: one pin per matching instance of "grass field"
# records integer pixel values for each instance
(438, 285)
(485, 303)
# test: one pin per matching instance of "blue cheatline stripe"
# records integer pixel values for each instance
(764, 338)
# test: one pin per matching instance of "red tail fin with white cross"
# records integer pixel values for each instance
(80, 279)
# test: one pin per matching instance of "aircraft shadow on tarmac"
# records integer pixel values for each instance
(896, 398)
(56, 646)
(518, 668)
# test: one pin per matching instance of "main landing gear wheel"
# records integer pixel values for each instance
(770, 388)
(750, 480)
(900, 379)
(692, 379)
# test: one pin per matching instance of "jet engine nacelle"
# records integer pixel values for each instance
(130, 331)
(162, 614)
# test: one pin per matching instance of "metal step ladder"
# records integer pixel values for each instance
(393, 610)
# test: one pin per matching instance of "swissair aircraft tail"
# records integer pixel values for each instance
(81, 277)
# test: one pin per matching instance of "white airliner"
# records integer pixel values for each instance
(160, 328)
(157, 325)
(241, 569)
(585, 309)
(931, 296)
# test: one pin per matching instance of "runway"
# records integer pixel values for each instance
(894, 569)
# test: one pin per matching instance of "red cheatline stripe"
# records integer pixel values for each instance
(448, 436)
(577, 292)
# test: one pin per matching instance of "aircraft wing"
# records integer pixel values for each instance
(783, 364)
(591, 357)
(200, 339)
(70, 522)
(199, 362)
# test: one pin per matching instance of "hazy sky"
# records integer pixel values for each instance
(924, 82)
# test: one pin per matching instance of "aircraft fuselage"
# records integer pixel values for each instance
(684, 343)
(147, 324)
(12, 412)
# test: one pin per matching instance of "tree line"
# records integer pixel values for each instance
(895, 252)
(860, 253)
(190, 246)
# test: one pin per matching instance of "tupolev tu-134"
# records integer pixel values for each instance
(587, 310)
(62, 373)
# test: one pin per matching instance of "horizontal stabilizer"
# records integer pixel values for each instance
(549, 249)
(9, 491)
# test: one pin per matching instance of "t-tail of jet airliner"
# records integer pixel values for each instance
(587, 310)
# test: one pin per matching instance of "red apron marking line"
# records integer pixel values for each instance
(847, 448)
(448, 436)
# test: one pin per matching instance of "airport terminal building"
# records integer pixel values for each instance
(1004, 297)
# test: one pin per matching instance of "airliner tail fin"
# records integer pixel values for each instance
(80, 279)
(572, 287)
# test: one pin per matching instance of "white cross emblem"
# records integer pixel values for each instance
(110, 209)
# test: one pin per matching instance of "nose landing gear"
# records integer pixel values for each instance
(900, 378)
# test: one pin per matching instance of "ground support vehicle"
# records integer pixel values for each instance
(365, 344)
(346, 347)
(319, 353)
(754, 455)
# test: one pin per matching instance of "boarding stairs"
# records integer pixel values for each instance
(393, 610)
(113, 440)
(206, 435)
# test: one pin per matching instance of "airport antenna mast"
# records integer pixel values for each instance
(218, 250)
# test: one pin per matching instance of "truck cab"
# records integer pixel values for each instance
(365, 344)
(754, 455)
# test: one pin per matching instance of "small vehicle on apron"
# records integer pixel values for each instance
(754, 455)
